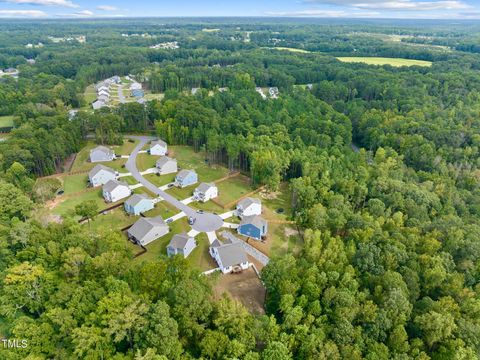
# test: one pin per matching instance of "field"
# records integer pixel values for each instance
(233, 189)
(89, 95)
(396, 62)
(6, 121)
(291, 49)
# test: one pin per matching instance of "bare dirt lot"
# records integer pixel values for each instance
(244, 287)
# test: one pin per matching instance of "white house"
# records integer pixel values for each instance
(181, 244)
(98, 104)
(158, 147)
(115, 190)
(229, 257)
(104, 92)
(101, 153)
(100, 175)
(205, 192)
(135, 86)
(166, 165)
(249, 206)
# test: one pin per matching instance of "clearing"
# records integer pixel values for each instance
(396, 62)
(6, 121)
(291, 49)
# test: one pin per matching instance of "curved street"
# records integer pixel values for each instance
(205, 222)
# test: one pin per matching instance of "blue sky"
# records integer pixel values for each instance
(404, 9)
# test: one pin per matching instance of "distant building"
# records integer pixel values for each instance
(253, 226)
(185, 178)
(104, 92)
(100, 175)
(138, 93)
(138, 204)
(249, 206)
(115, 190)
(309, 86)
(260, 91)
(195, 90)
(273, 92)
(72, 113)
(135, 86)
(98, 105)
(222, 89)
(181, 244)
(101, 153)
(103, 98)
(229, 257)
(146, 230)
(205, 192)
(30, 61)
(166, 165)
(158, 147)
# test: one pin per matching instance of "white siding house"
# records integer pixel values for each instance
(101, 153)
(115, 190)
(229, 257)
(205, 192)
(158, 147)
(249, 206)
(166, 165)
(146, 230)
(100, 175)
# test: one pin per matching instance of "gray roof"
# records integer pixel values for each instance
(136, 198)
(232, 254)
(203, 187)
(144, 225)
(99, 168)
(216, 243)
(184, 173)
(98, 104)
(179, 241)
(158, 142)
(113, 184)
(163, 160)
(256, 220)
(104, 149)
(244, 203)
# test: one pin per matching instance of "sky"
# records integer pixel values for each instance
(395, 9)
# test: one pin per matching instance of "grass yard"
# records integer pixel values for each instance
(164, 209)
(150, 96)
(397, 62)
(81, 161)
(130, 180)
(115, 219)
(126, 148)
(146, 161)
(74, 183)
(6, 121)
(200, 257)
(160, 180)
(280, 200)
(233, 189)
(182, 193)
(90, 94)
(67, 206)
(208, 206)
(188, 159)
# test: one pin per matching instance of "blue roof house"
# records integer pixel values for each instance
(186, 178)
(253, 226)
(138, 93)
(138, 204)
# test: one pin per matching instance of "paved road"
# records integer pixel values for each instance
(203, 222)
(121, 97)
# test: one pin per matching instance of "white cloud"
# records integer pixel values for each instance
(325, 13)
(107, 8)
(407, 5)
(22, 13)
(59, 3)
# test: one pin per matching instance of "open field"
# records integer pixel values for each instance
(115, 219)
(232, 189)
(67, 204)
(146, 161)
(74, 183)
(6, 121)
(244, 287)
(397, 62)
(89, 95)
(291, 49)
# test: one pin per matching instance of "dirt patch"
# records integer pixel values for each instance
(290, 232)
(269, 195)
(52, 204)
(245, 287)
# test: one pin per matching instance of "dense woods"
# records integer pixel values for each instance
(390, 267)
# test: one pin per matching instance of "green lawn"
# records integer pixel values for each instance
(115, 219)
(282, 200)
(182, 193)
(126, 148)
(81, 161)
(164, 209)
(74, 183)
(232, 189)
(130, 180)
(291, 49)
(200, 257)
(208, 206)
(6, 121)
(160, 180)
(146, 161)
(188, 159)
(90, 94)
(68, 205)
(397, 62)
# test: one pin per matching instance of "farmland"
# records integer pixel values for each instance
(395, 62)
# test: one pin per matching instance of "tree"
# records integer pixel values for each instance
(87, 209)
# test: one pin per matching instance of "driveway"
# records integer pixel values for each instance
(205, 222)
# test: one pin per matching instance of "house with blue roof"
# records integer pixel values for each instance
(253, 226)
(186, 178)
(138, 204)
(139, 93)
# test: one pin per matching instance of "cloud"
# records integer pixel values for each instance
(22, 13)
(107, 8)
(325, 13)
(59, 3)
(397, 5)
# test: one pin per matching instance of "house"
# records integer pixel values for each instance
(181, 244)
(101, 153)
(135, 86)
(195, 90)
(166, 165)
(249, 206)
(229, 257)
(185, 178)
(309, 86)
(115, 190)
(72, 113)
(138, 204)
(146, 230)
(138, 93)
(273, 92)
(103, 98)
(158, 147)
(222, 89)
(30, 61)
(205, 192)
(116, 79)
(253, 226)
(98, 104)
(100, 175)
(104, 92)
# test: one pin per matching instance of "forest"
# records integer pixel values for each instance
(383, 164)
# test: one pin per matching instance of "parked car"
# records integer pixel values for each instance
(170, 185)
(60, 192)
(191, 220)
(169, 221)
(200, 211)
